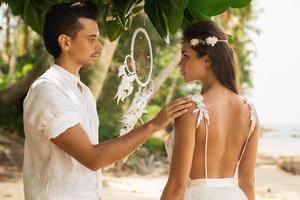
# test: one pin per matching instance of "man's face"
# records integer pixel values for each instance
(86, 47)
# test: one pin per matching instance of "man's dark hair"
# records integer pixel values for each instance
(63, 18)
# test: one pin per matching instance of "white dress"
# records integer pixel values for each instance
(213, 188)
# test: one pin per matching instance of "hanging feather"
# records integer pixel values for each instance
(126, 86)
(136, 109)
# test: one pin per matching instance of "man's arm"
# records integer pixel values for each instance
(75, 141)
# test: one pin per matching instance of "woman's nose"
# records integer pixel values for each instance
(180, 64)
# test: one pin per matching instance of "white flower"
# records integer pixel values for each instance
(194, 42)
(211, 40)
(197, 98)
(201, 109)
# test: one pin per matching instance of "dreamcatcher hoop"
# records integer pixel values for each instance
(145, 90)
(126, 65)
(142, 30)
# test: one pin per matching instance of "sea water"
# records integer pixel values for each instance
(281, 140)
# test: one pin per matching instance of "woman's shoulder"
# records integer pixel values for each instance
(246, 101)
(252, 112)
(196, 113)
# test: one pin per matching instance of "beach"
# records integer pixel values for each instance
(272, 182)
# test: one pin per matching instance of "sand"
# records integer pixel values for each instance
(271, 184)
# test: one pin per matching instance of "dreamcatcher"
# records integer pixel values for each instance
(137, 67)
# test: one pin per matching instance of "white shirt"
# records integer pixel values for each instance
(53, 104)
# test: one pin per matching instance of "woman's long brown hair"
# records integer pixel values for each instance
(222, 55)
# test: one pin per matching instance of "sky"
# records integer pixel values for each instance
(276, 68)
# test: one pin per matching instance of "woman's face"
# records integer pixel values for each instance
(192, 67)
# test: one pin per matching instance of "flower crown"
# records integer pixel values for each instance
(211, 40)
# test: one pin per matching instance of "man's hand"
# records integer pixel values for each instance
(171, 111)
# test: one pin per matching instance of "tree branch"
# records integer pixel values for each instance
(14, 93)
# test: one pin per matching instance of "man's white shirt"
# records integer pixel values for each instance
(53, 104)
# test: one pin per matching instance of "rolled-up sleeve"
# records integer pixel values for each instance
(50, 110)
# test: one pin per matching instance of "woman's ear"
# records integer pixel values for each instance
(64, 42)
(207, 60)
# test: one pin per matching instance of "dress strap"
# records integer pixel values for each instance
(202, 111)
(253, 122)
(206, 143)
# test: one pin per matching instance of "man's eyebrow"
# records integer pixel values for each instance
(93, 35)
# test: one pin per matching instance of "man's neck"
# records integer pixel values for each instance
(68, 65)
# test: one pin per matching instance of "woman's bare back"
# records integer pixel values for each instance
(229, 124)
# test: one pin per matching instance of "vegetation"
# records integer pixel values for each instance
(23, 57)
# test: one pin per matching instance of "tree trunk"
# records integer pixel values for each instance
(1, 57)
(172, 89)
(100, 71)
(13, 54)
(27, 37)
(1, 73)
(13, 93)
(164, 74)
(7, 42)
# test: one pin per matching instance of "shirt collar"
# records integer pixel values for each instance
(68, 76)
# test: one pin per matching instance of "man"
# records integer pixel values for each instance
(62, 156)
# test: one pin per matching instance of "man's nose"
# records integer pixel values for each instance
(99, 46)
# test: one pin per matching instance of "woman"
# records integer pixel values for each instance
(219, 135)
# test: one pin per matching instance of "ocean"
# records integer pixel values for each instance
(280, 140)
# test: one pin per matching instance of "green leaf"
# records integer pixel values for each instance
(179, 4)
(101, 3)
(113, 29)
(239, 3)
(187, 19)
(29, 12)
(175, 18)
(230, 39)
(33, 17)
(197, 14)
(16, 6)
(208, 7)
(106, 2)
(46, 2)
(154, 10)
(32, 11)
(128, 23)
(136, 7)
(137, 10)
(124, 8)
(173, 14)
